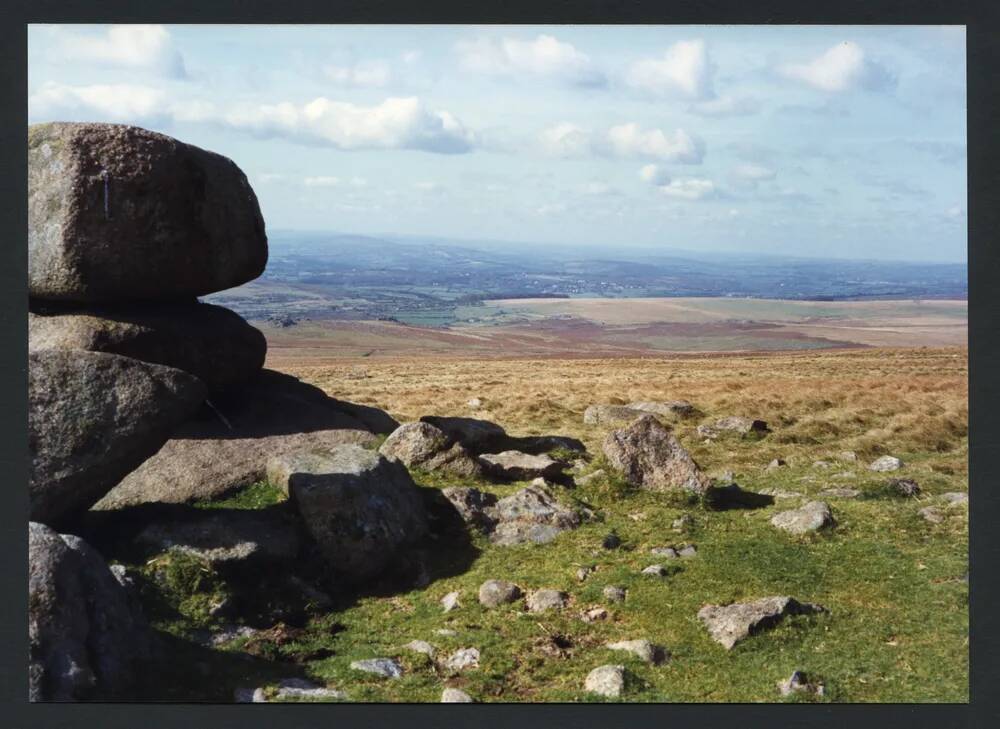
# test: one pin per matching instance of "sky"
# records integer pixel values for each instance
(817, 141)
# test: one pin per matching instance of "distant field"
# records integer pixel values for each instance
(634, 327)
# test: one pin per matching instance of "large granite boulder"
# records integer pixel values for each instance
(532, 515)
(427, 447)
(218, 452)
(477, 436)
(87, 639)
(650, 457)
(211, 342)
(358, 506)
(92, 418)
(116, 212)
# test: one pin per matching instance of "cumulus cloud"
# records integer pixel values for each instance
(684, 70)
(630, 140)
(543, 56)
(691, 188)
(842, 67)
(366, 74)
(100, 102)
(148, 47)
(654, 175)
(566, 140)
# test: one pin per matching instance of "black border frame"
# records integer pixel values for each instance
(983, 51)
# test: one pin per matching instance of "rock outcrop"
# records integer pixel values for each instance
(426, 447)
(650, 457)
(94, 417)
(729, 624)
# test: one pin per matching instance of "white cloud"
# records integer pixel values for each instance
(840, 68)
(722, 106)
(630, 140)
(685, 70)
(691, 188)
(100, 102)
(321, 181)
(566, 140)
(543, 56)
(396, 123)
(654, 174)
(366, 74)
(147, 47)
(753, 172)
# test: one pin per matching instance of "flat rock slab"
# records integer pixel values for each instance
(729, 624)
(812, 517)
(117, 212)
(206, 457)
(651, 458)
(385, 667)
(88, 639)
(92, 418)
(517, 466)
(642, 649)
(608, 681)
(359, 507)
(610, 414)
(210, 342)
(744, 427)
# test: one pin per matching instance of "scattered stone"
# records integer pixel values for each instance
(414, 443)
(656, 570)
(591, 477)
(886, 463)
(222, 450)
(462, 659)
(494, 593)
(359, 507)
(473, 403)
(450, 601)
(676, 408)
(682, 523)
(932, 514)
(775, 464)
(299, 688)
(593, 614)
(798, 683)
(812, 517)
(517, 466)
(478, 436)
(87, 638)
(606, 414)
(541, 600)
(651, 458)
(643, 649)
(608, 681)
(687, 551)
(477, 508)
(583, 573)
(386, 667)
(611, 541)
(955, 498)
(92, 418)
(455, 696)
(532, 515)
(905, 487)
(729, 624)
(668, 552)
(421, 646)
(614, 594)
(839, 493)
(116, 212)
(745, 427)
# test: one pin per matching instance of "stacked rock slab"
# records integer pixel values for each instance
(126, 228)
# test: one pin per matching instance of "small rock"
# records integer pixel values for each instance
(611, 541)
(683, 522)
(450, 601)
(775, 464)
(838, 493)
(657, 570)
(474, 403)
(810, 518)
(955, 498)
(797, 683)
(583, 573)
(593, 614)
(905, 487)
(668, 552)
(421, 646)
(932, 514)
(455, 696)
(614, 594)
(637, 515)
(688, 550)
(298, 688)
(493, 593)
(607, 681)
(886, 463)
(542, 600)
(643, 649)
(729, 624)
(462, 659)
(386, 667)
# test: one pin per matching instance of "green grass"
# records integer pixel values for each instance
(255, 496)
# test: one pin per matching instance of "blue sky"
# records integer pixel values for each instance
(843, 141)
